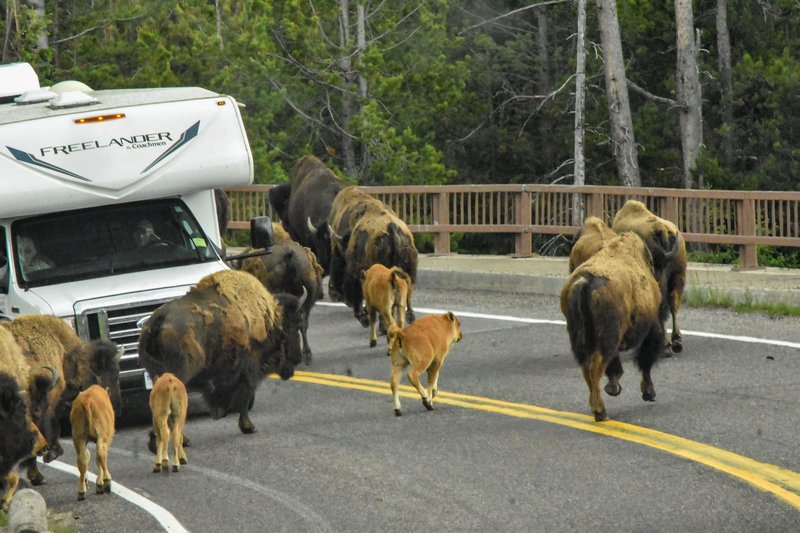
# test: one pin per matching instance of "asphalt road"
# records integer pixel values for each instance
(517, 452)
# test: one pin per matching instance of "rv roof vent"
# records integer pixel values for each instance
(69, 86)
(72, 99)
(35, 96)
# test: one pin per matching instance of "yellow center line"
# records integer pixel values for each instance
(783, 483)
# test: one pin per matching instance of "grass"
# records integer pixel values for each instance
(716, 298)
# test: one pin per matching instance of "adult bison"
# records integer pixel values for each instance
(224, 336)
(293, 269)
(668, 247)
(303, 205)
(611, 303)
(370, 234)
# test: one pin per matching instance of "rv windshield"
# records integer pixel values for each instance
(109, 240)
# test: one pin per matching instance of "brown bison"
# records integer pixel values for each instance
(169, 403)
(293, 269)
(668, 247)
(423, 346)
(387, 292)
(92, 420)
(611, 303)
(47, 341)
(593, 235)
(224, 336)
(365, 232)
(24, 391)
(303, 205)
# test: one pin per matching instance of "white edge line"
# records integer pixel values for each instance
(164, 517)
(738, 338)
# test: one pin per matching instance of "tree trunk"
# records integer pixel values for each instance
(346, 68)
(725, 82)
(545, 80)
(218, 17)
(619, 109)
(580, 86)
(361, 41)
(688, 88)
(42, 42)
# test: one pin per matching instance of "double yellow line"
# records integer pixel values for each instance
(783, 483)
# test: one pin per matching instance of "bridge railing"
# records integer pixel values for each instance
(744, 219)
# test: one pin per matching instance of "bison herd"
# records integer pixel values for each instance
(237, 326)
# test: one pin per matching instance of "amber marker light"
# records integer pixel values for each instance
(99, 118)
(220, 102)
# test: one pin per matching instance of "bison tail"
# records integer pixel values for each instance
(150, 346)
(580, 323)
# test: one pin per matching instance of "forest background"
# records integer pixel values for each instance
(408, 92)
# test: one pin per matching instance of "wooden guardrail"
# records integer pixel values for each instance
(741, 218)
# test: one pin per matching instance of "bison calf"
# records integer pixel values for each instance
(92, 420)
(423, 345)
(387, 292)
(611, 303)
(169, 402)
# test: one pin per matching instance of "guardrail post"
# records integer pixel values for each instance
(522, 241)
(441, 217)
(594, 206)
(746, 215)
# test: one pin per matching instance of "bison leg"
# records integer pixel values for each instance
(82, 460)
(647, 356)
(177, 444)
(413, 378)
(162, 434)
(32, 471)
(593, 369)
(103, 473)
(306, 347)
(614, 373)
(433, 378)
(11, 482)
(397, 371)
(240, 403)
(373, 326)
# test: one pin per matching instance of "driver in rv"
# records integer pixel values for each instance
(144, 235)
(29, 257)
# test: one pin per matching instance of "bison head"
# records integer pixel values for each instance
(290, 353)
(321, 237)
(104, 359)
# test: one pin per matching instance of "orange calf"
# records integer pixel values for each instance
(169, 402)
(92, 419)
(423, 345)
(387, 292)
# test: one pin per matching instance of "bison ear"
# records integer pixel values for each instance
(451, 317)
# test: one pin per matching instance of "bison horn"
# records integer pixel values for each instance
(334, 234)
(302, 299)
(55, 379)
(311, 226)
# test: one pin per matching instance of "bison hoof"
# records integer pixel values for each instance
(99, 489)
(427, 403)
(218, 412)
(397, 412)
(373, 343)
(107, 487)
(175, 468)
(183, 460)
(363, 320)
(156, 468)
(307, 358)
(247, 427)
(81, 496)
(36, 479)
(602, 416)
(649, 395)
(186, 441)
(677, 345)
(613, 389)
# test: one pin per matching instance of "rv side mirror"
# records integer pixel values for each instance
(261, 234)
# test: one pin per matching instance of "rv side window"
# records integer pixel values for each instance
(109, 240)
(3, 262)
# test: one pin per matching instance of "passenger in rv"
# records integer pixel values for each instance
(29, 257)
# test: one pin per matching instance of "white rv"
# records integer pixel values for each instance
(107, 205)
